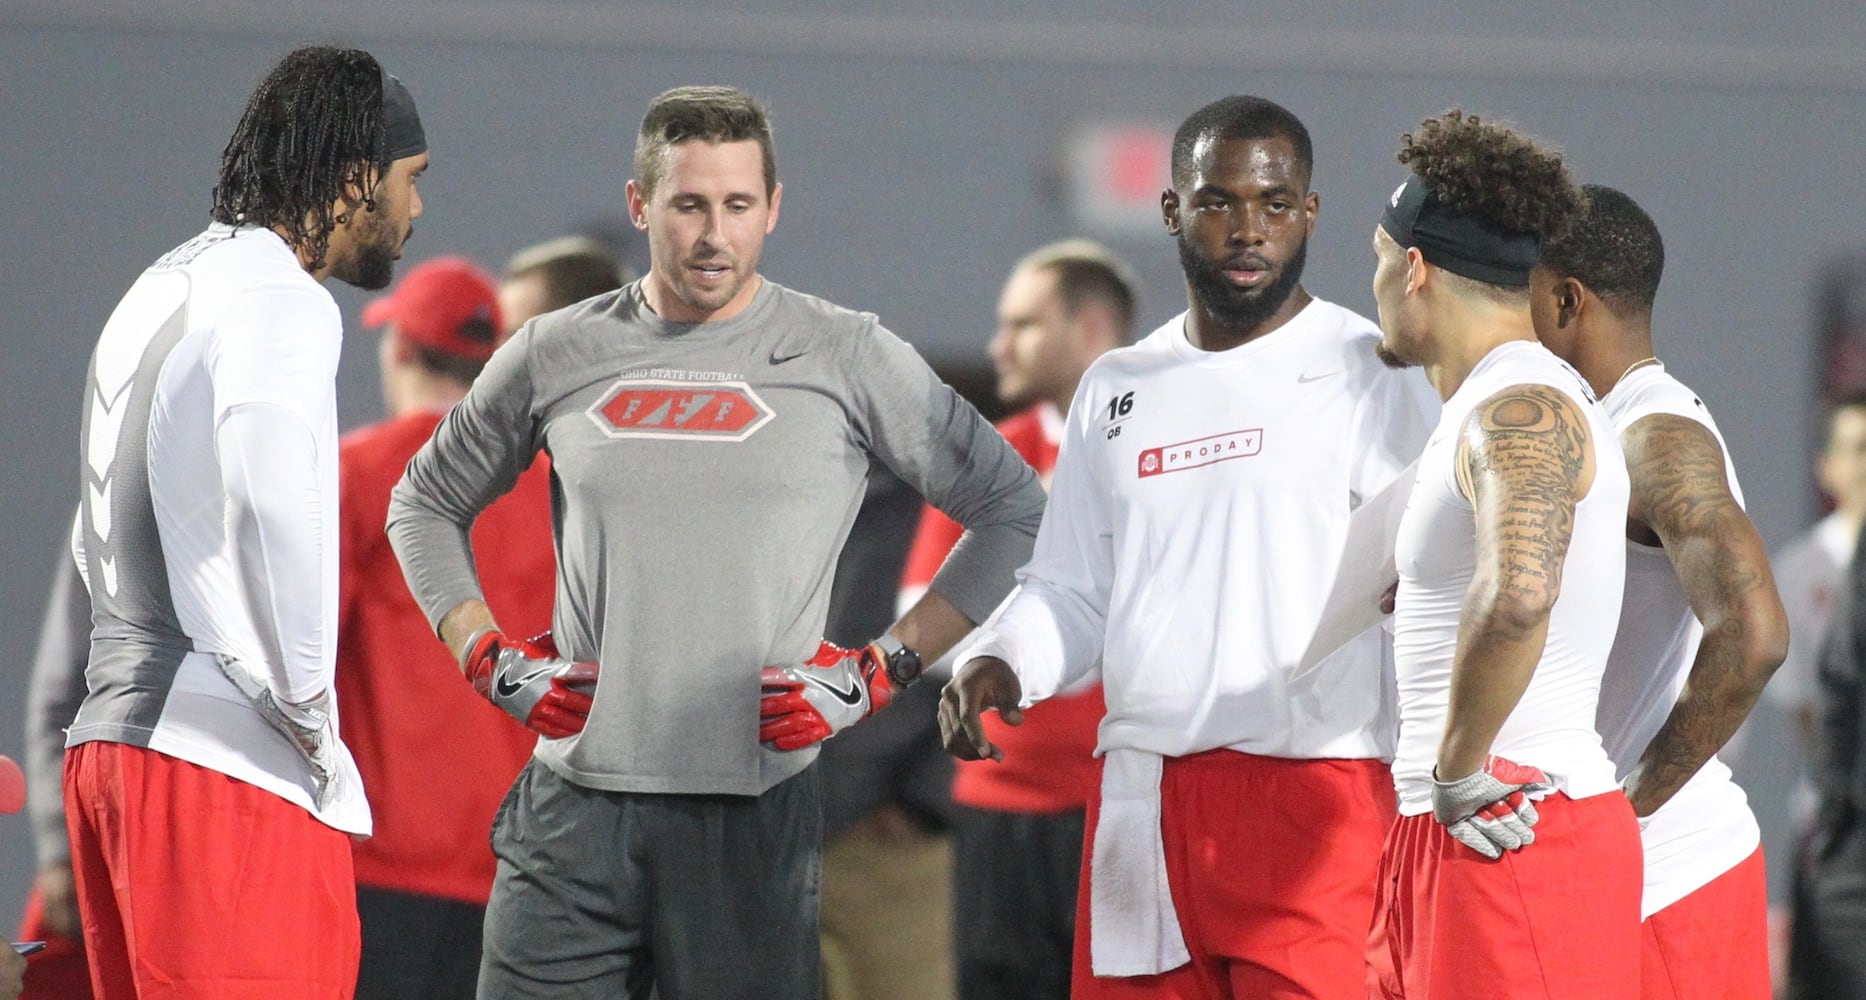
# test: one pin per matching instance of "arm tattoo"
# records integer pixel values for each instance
(1526, 454)
(1681, 495)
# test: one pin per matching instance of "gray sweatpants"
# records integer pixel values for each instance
(614, 894)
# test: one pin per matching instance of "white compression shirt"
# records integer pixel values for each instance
(1552, 726)
(208, 528)
(1706, 829)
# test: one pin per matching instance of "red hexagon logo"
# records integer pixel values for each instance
(664, 409)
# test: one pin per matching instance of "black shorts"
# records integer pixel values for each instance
(417, 947)
(613, 894)
(1015, 877)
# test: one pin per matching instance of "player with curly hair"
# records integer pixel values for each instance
(1514, 868)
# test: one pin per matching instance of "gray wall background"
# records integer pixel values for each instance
(917, 156)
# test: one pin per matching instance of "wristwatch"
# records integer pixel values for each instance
(903, 663)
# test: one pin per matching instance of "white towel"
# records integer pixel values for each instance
(1133, 928)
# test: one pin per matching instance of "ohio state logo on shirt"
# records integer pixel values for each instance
(665, 409)
(1200, 452)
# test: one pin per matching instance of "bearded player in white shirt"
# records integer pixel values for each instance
(1702, 627)
(1199, 507)
(1513, 870)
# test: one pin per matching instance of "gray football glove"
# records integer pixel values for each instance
(307, 725)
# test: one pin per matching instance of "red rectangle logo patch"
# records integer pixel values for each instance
(671, 410)
(1200, 452)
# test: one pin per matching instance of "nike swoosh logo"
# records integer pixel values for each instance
(852, 697)
(778, 359)
(507, 687)
(1311, 378)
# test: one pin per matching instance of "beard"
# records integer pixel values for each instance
(1390, 359)
(371, 263)
(1239, 308)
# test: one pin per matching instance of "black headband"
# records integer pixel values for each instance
(401, 125)
(1459, 243)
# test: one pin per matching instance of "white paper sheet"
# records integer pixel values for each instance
(1366, 570)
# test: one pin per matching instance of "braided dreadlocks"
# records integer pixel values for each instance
(314, 126)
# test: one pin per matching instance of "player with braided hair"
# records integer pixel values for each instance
(207, 535)
(309, 152)
(1514, 868)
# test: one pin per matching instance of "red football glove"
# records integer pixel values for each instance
(1490, 810)
(806, 704)
(531, 682)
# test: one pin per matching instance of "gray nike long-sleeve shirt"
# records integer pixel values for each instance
(704, 479)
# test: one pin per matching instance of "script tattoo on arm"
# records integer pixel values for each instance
(1527, 466)
(1681, 497)
(1524, 460)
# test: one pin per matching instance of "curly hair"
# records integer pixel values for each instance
(1493, 173)
(1614, 249)
(313, 126)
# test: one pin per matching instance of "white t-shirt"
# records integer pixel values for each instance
(1706, 829)
(1552, 726)
(1198, 511)
(209, 524)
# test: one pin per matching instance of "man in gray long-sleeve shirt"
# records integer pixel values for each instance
(710, 435)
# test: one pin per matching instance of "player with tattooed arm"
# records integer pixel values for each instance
(1514, 867)
(1701, 629)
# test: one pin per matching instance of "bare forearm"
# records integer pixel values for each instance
(1725, 680)
(1525, 455)
(1498, 649)
(1680, 489)
(932, 626)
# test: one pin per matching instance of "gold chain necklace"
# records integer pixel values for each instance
(1642, 362)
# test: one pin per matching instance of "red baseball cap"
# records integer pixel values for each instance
(446, 304)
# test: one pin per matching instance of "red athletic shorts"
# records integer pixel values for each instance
(1557, 920)
(1714, 943)
(1271, 863)
(59, 972)
(194, 884)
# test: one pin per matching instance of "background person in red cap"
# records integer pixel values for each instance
(436, 758)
